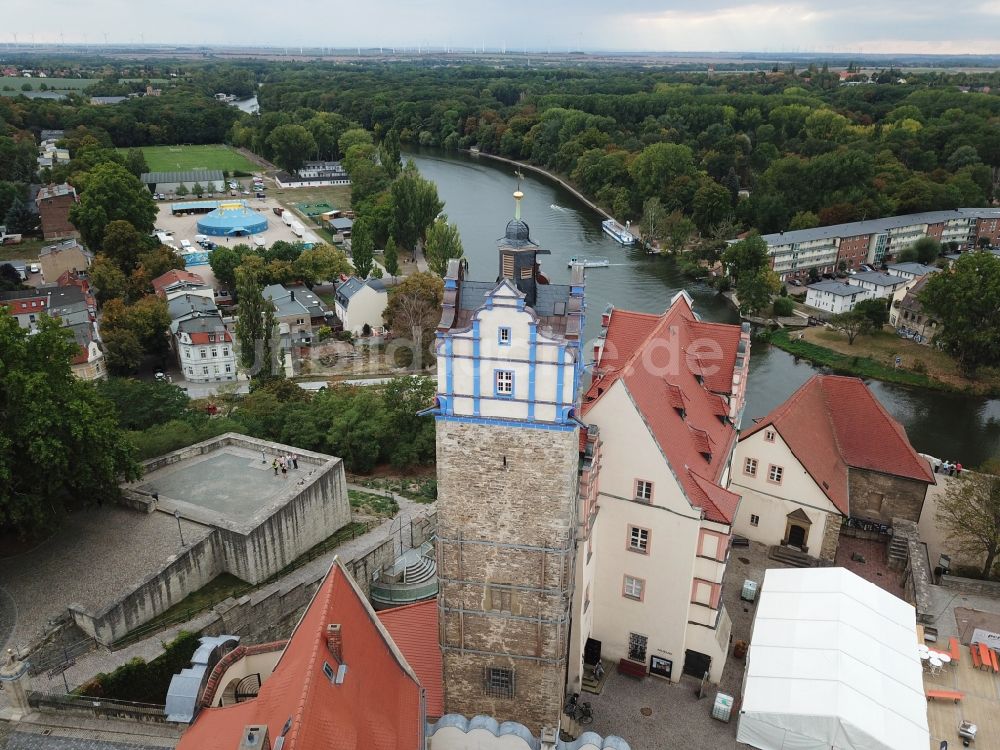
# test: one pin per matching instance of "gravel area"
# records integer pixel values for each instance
(96, 555)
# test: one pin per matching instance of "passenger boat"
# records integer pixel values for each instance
(619, 232)
(590, 262)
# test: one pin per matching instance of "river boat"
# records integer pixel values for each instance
(619, 232)
(590, 262)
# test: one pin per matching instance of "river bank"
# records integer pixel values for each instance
(874, 357)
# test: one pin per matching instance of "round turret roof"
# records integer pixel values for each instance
(517, 231)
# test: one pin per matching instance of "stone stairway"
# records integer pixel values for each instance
(792, 557)
(898, 552)
(421, 571)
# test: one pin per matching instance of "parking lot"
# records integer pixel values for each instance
(186, 227)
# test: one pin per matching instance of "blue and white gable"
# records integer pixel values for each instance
(502, 367)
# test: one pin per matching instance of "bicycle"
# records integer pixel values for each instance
(578, 711)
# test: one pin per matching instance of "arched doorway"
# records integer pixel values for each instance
(797, 526)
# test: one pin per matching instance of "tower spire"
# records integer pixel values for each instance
(517, 196)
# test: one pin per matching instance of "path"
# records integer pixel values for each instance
(548, 175)
(420, 260)
(102, 660)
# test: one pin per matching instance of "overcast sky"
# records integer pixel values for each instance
(933, 26)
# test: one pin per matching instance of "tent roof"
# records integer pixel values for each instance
(832, 663)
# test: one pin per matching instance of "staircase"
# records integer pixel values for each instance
(792, 557)
(421, 571)
(898, 552)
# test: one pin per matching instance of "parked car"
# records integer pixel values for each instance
(795, 282)
(35, 268)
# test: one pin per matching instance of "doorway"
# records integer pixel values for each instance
(696, 663)
(796, 536)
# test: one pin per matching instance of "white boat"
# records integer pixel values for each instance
(619, 232)
(590, 262)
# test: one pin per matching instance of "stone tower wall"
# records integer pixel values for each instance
(506, 521)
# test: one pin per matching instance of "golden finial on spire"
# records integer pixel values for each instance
(518, 195)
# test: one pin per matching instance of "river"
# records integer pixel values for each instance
(478, 198)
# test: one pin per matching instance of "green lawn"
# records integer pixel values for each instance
(186, 158)
(371, 504)
(26, 250)
(52, 84)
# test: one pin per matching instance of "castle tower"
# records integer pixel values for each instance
(509, 367)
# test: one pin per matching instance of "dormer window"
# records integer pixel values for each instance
(769, 436)
(503, 336)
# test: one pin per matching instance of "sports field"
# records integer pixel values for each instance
(186, 158)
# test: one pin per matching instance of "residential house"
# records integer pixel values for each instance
(907, 315)
(359, 303)
(201, 340)
(314, 174)
(339, 682)
(178, 282)
(910, 271)
(54, 203)
(74, 306)
(297, 312)
(835, 296)
(829, 453)
(341, 227)
(667, 395)
(879, 285)
(873, 241)
(67, 256)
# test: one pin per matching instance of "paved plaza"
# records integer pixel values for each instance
(235, 482)
(94, 557)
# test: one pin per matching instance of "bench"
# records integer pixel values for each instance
(631, 668)
(953, 650)
(953, 695)
(974, 650)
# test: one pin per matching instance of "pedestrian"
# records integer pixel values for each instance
(263, 458)
(951, 469)
(295, 461)
(284, 472)
(958, 469)
(937, 465)
(274, 465)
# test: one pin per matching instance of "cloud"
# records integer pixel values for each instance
(656, 25)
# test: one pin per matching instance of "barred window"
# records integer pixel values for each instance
(498, 682)
(499, 599)
(637, 647)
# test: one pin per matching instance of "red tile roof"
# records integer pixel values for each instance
(201, 337)
(642, 351)
(26, 305)
(414, 628)
(173, 276)
(377, 707)
(833, 423)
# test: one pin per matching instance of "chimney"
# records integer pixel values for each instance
(254, 737)
(291, 294)
(334, 641)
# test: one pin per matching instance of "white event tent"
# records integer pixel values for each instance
(832, 665)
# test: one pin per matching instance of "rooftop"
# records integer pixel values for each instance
(875, 226)
(360, 695)
(192, 176)
(833, 423)
(175, 276)
(838, 288)
(917, 269)
(685, 406)
(54, 191)
(414, 628)
(294, 300)
(352, 285)
(878, 278)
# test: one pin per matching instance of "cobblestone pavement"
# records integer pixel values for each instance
(78, 564)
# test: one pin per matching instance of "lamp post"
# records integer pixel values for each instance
(177, 515)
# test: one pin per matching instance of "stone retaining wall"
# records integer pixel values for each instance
(971, 586)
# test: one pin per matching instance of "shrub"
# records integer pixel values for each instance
(145, 682)
(919, 366)
(783, 307)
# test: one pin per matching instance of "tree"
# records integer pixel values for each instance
(852, 323)
(925, 250)
(107, 280)
(135, 162)
(965, 300)
(414, 308)
(756, 290)
(9, 192)
(969, 513)
(389, 154)
(362, 248)
(19, 218)
(111, 193)
(876, 311)
(803, 220)
(677, 230)
(122, 244)
(783, 306)
(224, 260)
(390, 256)
(291, 145)
(443, 243)
(130, 331)
(746, 257)
(10, 279)
(416, 206)
(255, 324)
(353, 137)
(651, 224)
(61, 448)
(181, 190)
(712, 206)
(141, 404)
(198, 189)
(321, 263)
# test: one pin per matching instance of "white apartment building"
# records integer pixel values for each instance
(835, 296)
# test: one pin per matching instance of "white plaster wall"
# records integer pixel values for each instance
(366, 306)
(262, 664)
(773, 502)
(630, 452)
